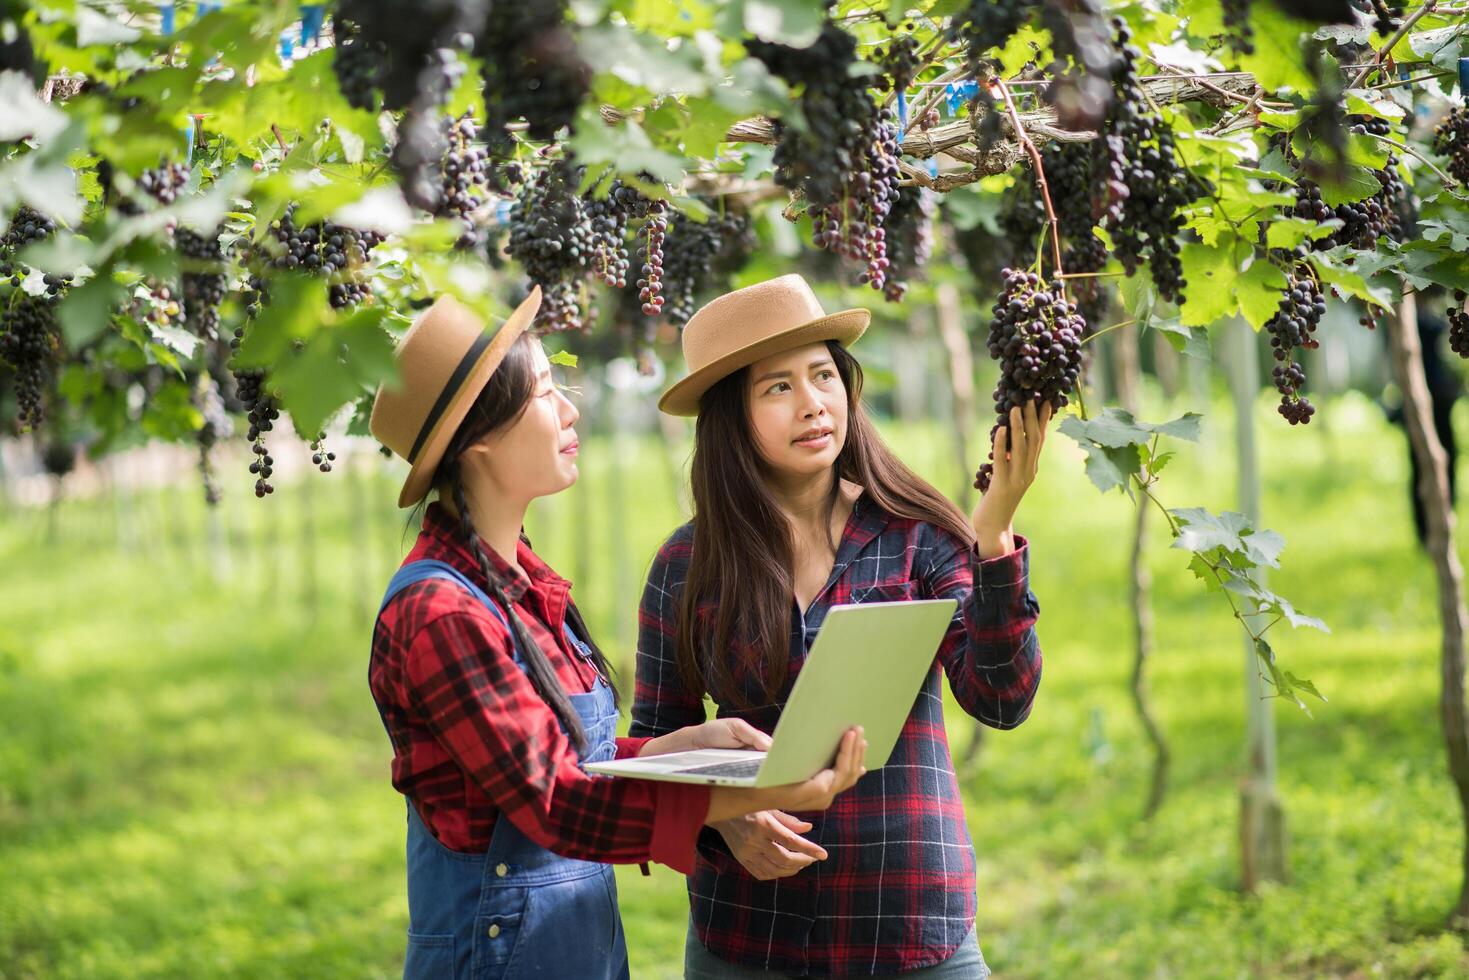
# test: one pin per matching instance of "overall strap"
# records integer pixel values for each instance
(427, 568)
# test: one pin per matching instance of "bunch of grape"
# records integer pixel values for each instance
(30, 344)
(463, 171)
(204, 280)
(983, 25)
(164, 183)
(1459, 325)
(1085, 62)
(358, 62)
(909, 239)
(1291, 329)
(1363, 222)
(845, 159)
(262, 413)
(325, 249)
(899, 60)
(320, 457)
(1239, 35)
(27, 225)
(1144, 185)
(531, 69)
(154, 303)
(1035, 334)
(1387, 15)
(1451, 139)
(1069, 168)
(552, 239)
(653, 213)
(608, 221)
(699, 254)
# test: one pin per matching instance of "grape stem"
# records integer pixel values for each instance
(1401, 32)
(1116, 326)
(1450, 181)
(1040, 172)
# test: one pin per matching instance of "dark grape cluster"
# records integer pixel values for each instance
(261, 412)
(163, 184)
(320, 457)
(552, 240)
(30, 343)
(1141, 180)
(464, 173)
(204, 280)
(1035, 334)
(1363, 222)
(909, 239)
(27, 225)
(1292, 328)
(358, 62)
(531, 69)
(1239, 35)
(844, 160)
(1451, 139)
(1084, 65)
(1069, 170)
(325, 249)
(1459, 325)
(983, 25)
(608, 219)
(699, 254)
(899, 60)
(1387, 15)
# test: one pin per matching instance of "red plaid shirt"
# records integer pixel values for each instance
(897, 891)
(472, 741)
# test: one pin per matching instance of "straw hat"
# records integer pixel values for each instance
(739, 328)
(444, 362)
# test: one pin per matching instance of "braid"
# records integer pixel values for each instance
(541, 675)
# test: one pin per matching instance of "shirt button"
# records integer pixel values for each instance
(494, 931)
(501, 870)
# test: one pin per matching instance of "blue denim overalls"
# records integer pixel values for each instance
(518, 910)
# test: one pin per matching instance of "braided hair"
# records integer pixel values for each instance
(502, 402)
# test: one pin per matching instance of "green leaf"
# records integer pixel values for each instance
(1277, 60)
(339, 363)
(642, 59)
(1211, 274)
(86, 311)
(1356, 183)
(792, 22)
(298, 307)
(1191, 342)
(1199, 565)
(94, 28)
(1348, 281)
(1185, 427)
(1304, 685)
(23, 114)
(1288, 232)
(563, 358)
(1260, 288)
(1202, 531)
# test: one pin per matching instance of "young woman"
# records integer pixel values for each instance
(492, 692)
(799, 506)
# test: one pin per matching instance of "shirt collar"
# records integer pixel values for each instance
(447, 538)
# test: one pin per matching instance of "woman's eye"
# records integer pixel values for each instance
(778, 386)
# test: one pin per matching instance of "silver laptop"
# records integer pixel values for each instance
(865, 668)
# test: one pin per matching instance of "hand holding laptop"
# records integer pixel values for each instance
(816, 793)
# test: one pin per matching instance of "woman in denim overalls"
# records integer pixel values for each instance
(494, 695)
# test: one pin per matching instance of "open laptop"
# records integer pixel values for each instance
(865, 668)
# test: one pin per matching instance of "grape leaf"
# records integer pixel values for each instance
(1211, 274)
(1260, 287)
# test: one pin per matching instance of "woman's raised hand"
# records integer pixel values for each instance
(1017, 452)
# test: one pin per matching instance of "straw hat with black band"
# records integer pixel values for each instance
(739, 328)
(444, 361)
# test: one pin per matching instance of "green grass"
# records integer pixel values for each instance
(194, 782)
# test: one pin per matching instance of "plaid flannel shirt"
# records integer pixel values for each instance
(473, 742)
(897, 891)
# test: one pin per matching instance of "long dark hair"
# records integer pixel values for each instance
(504, 400)
(742, 557)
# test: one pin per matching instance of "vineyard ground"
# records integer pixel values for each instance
(193, 780)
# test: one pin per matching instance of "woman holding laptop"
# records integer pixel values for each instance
(493, 693)
(798, 506)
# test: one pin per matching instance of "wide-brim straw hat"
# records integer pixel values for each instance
(444, 361)
(739, 328)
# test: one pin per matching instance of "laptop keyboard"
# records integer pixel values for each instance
(747, 767)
